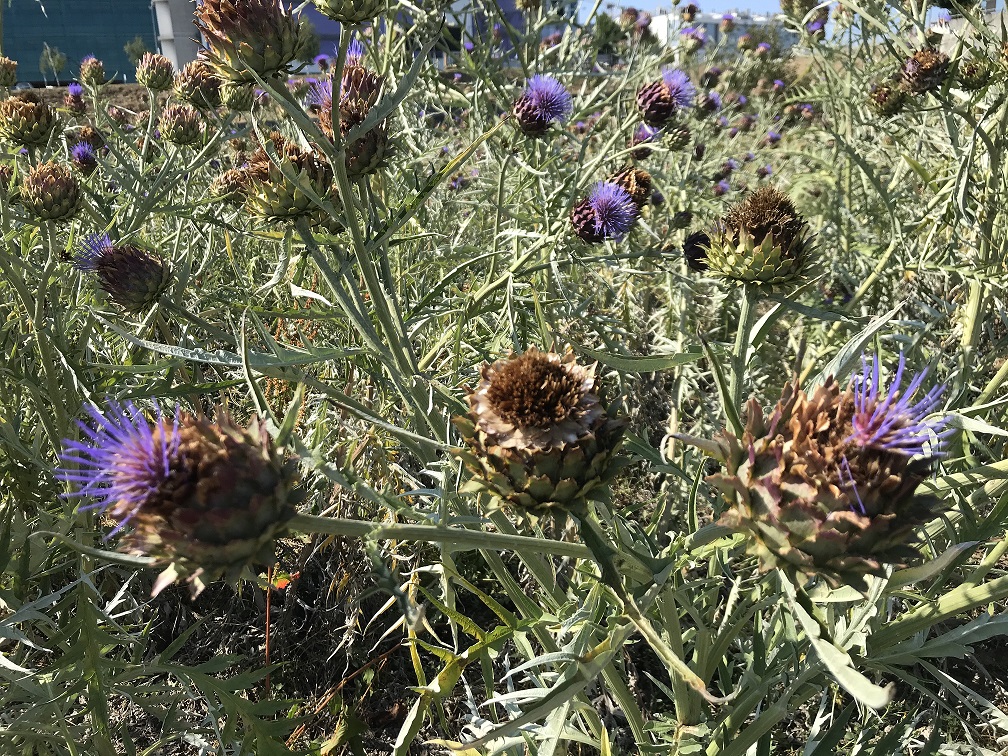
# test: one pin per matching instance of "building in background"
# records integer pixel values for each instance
(76, 28)
(953, 27)
(666, 26)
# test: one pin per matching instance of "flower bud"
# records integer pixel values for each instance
(50, 192)
(74, 100)
(155, 72)
(130, 276)
(83, 156)
(248, 38)
(180, 124)
(26, 121)
(238, 97)
(198, 85)
(637, 183)
(887, 100)
(350, 11)
(92, 72)
(973, 74)
(8, 72)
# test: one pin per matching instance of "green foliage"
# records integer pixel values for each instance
(52, 61)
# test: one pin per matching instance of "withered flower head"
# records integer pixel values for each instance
(637, 183)
(539, 437)
(761, 240)
(887, 100)
(826, 484)
(281, 185)
(925, 70)
(207, 497)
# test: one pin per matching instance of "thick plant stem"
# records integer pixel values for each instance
(740, 353)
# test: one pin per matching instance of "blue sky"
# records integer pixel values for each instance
(718, 6)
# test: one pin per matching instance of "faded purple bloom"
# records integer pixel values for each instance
(645, 133)
(749, 157)
(680, 87)
(814, 27)
(733, 132)
(732, 164)
(498, 31)
(457, 78)
(778, 85)
(614, 208)
(469, 46)
(763, 48)
(721, 187)
(322, 61)
(723, 122)
(320, 95)
(123, 460)
(694, 37)
(944, 17)
(892, 419)
(74, 89)
(773, 137)
(657, 198)
(764, 170)
(742, 99)
(355, 53)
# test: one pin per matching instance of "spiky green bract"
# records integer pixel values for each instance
(762, 240)
(538, 436)
(26, 121)
(51, 192)
(350, 11)
(809, 498)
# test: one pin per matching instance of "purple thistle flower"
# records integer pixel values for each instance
(694, 36)
(763, 48)
(778, 85)
(469, 46)
(92, 247)
(320, 95)
(355, 53)
(544, 100)
(733, 132)
(742, 100)
(721, 187)
(680, 87)
(74, 89)
(614, 208)
(814, 27)
(123, 459)
(712, 102)
(773, 137)
(645, 133)
(322, 61)
(732, 164)
(749, 157)
(83, 156)
(727, 17)
(943, 17)
(764, 170)
(892, 420)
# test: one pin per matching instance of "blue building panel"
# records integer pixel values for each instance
(77, 28)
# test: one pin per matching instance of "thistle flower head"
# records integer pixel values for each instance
(246, 39)
(132, 277)
(538, 435)
(92, 71)
(614, 208)
(51, 192)
(893, 418)
(925, 70)
(825, 484)
(84, 158)
(207, 497)
(680, 88)
(544, 101)
(350, 11)
(74, 89)
(26, 121)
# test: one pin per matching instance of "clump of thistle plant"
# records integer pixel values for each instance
(208, 498)
(826, 483)
(539, 437)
